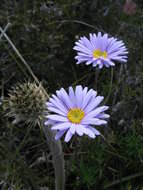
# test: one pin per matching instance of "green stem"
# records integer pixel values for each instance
(124, 179)
(117, 85)
(110, 88)
(97, 71)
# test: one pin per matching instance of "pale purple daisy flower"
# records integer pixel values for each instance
(100, 50)
(76, 112)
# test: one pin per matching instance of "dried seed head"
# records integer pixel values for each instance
(27, 103)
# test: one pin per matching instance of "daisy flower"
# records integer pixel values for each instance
(100, 50)
(76, 112)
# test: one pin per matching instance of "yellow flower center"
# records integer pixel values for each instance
(98, 53)
(75, 115)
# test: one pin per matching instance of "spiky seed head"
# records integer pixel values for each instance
(27, 103)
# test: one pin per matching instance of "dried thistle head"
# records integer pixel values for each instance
(27, 103)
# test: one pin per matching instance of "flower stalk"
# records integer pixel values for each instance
(57, 157)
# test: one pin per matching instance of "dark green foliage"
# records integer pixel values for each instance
(44, 32)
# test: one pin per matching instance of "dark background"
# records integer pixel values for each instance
(44, 32)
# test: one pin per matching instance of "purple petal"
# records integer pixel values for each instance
(61, 126)
(49, 122)
(87, 43)
(59, 134)
(103, 116)
(93, 103)
(93, 121)
(68, 136)
(57, 118)
(89, 132)
(95, 131)
(72, 128)
(55, 110)
(62, 94)
(78, 94)
(57, 103)
(90, 94)
(79, 129)
(72, 95)
(95, 112)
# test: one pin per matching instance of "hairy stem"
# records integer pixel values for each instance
(58, 161)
